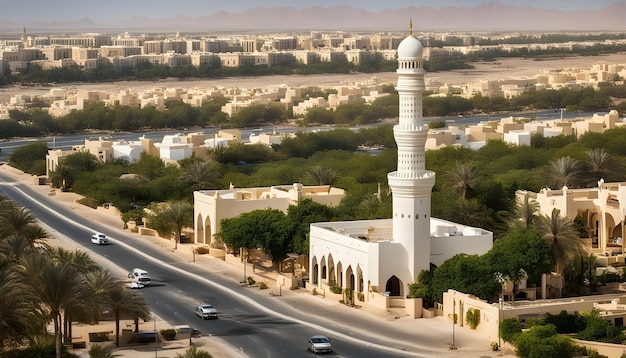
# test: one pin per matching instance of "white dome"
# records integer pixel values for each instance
(410, 47)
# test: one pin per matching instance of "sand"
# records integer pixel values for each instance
(499, 69)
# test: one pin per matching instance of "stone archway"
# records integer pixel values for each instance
(394, 286)
(314, 271)
(332, 279)
(339, 279)
(324, 273)
(200, 239)
(350, 278)
(359, 276)
(208, 233)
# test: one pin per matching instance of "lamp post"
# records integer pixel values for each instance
(453, 346)
(156, 338)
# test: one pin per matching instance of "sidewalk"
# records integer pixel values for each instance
(435, 329)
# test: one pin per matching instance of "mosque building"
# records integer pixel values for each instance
(378, 259)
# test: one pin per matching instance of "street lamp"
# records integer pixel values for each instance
(156, 338)
(453, 346)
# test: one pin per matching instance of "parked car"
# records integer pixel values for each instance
(319, 344)
(205, 311)
(140, 277)
(99, 239)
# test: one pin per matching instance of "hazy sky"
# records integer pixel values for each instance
(63, 10)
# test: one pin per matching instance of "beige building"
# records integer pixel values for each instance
(603, 210)
(212, 206)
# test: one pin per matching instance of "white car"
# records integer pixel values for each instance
(319, 344)
(139, 277)
(206, 311)
(99, 239)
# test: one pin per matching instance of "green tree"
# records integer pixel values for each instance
(520, 254)
(122, 300)
(17, 317)
(599, 329)
(462, 178)
(423, 288)
(562, 236)
(172, 218)
(299, 219)
(525, 214)
(470, 274)
(319, 175)
(510, 329)
(193, 352)
(543, 341)
(601, 165)
(564, 171)
(56, 286)
(26, 157)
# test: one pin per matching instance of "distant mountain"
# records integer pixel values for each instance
(486, 17)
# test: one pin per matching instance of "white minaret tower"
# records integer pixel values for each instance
(411, 184)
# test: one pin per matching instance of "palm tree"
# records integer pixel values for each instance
(471, 212)
(524, 214)
(201, 174)
(601, 165)
(56, 287)
(462, 178)
(562, 236)
(16, 220)
(81, 310)
(193, 352)
(122, 300)
(563, 171)
(17, 318)
(172, 218)
(319, 175)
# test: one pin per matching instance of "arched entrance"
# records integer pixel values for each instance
(314, 271)
(350, 278)
(339, 274)
(394, 286)
(200, 233)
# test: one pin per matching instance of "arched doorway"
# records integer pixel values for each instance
(324, 269)
(200, 233)
(394, 286)
(208, 235)
(350, 278)
(315, 271)
(332, 280)
(359, 275)
(339, 274)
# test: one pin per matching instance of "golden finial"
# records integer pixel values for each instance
(411, 27)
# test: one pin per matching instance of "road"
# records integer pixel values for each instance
(256, 325)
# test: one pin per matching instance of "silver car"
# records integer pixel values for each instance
(320, 344)
(206, 311)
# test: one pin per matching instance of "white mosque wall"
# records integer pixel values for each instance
(448, 239)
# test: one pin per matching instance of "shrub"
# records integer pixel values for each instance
(495, 346)
(510, 328)
(262, 285)
(336, 289)
(360, 296)
(251, 281)
(472, 317)
(168, 334)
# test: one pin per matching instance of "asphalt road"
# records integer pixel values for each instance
(255, 325)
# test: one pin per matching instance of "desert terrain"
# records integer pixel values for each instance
(500, 69)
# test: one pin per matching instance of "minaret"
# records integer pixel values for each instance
(411, 184)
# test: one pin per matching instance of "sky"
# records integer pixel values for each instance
(68, 10)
